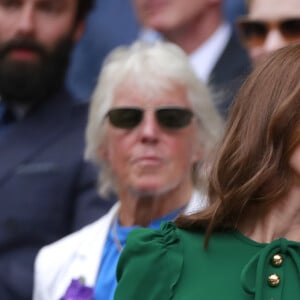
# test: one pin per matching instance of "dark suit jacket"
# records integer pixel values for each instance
(111, 23)
(46, 189)
(229, 73)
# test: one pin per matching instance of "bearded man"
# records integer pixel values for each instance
(47, 190)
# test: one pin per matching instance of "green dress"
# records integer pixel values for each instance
(171, 263)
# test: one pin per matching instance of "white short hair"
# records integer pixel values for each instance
(153, 67)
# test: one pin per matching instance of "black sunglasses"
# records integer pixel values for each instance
(168, 117)
(254, 32)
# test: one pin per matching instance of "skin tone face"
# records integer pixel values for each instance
(44, 21)
(272, 11)
(187, 25)
(169, 15)
(151, 162)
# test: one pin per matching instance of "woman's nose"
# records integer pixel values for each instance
(149, 127)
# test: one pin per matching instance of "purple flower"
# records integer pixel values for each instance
(78, 291)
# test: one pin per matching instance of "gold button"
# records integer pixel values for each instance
(277, 260)
(273, 280)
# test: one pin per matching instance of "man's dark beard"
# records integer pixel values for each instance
(28, 83)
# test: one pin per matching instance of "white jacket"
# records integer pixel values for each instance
(79, 255)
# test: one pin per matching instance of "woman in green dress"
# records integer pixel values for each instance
(246, 244)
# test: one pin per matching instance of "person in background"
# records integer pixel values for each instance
(200, 29)
(268, 26)
(246, 244)
(47, 190)
(151, 129)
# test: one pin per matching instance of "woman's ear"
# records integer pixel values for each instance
(103, 152)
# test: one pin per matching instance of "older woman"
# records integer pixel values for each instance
(151, 126)
(246, 244)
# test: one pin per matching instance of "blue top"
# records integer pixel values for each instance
(106, 282)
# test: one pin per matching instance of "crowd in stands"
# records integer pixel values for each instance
(112, 117)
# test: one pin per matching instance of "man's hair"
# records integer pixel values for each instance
(84, 6)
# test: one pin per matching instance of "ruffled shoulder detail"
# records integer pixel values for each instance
(150, 265)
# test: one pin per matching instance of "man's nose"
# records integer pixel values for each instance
(274, 41)
(26, 21)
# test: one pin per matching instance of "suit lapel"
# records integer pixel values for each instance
(92, 250)
(228, 74)
(23, 139)
(85, 261)
(233, 62)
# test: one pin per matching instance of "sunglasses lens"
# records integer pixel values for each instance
(290, 29)
(174, 118)
(253, 33)
(125, 118)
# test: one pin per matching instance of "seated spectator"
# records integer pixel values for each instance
(269, 25)
(151, 128)
(47, 189)
(200, 29)
(246, 244)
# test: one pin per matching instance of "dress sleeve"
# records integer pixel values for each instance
(150, 265)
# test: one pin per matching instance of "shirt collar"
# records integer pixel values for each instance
(205, 57)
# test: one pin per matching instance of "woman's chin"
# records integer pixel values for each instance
(151, 190)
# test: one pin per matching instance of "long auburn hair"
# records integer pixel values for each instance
(251, 167)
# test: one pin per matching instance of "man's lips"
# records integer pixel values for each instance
(23, 54)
